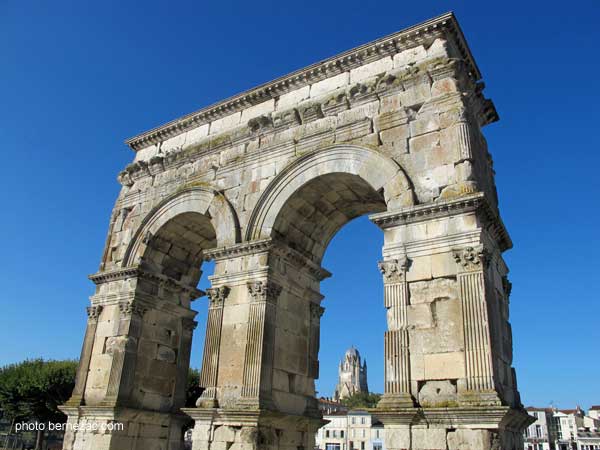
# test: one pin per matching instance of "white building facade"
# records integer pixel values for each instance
(352, 430)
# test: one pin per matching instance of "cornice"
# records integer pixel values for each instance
(475, 202)
(445, 24)
(136, 272)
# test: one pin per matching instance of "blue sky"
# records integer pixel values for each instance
(77, 78)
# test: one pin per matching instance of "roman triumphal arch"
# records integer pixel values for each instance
(260, 183)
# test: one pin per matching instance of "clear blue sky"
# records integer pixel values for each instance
(77, 78)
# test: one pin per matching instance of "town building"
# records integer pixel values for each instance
(564, 429)
(350, 430)
(352, 375)
(541, 434)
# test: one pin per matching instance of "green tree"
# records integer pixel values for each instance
(30, 391)
(193, 389)
(361, 400)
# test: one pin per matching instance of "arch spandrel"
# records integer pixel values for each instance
(380, 172)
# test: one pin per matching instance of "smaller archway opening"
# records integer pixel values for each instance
(175, 251)
(308, 221)
(321, 207)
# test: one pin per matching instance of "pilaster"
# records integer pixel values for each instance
(397, 349)
(212, 345)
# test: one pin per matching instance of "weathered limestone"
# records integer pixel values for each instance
(260, 183)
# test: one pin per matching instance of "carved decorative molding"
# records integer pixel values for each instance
(316, 311)
(217, 296)
(507, 286)
(237, 250)
(93, 312)
(188, 324)
(129, 309)
(474, 202)
(264, 291)
(393, 270)
(136, 272)
(443, 26)
(471, 258)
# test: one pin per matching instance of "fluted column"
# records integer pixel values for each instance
(478, 386)
(397, 353)
(124, 349)
(212, 344)
(258, 358)
(77, 397)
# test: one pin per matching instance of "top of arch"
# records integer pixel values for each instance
(444, 25)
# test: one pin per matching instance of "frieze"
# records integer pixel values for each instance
(444, 26)
(473, 202)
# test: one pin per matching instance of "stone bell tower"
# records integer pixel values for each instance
(352, 375)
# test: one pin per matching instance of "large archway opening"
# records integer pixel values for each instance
(307, 222)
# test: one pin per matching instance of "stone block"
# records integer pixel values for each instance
(409, 56)
(437, 394)
(428, 439)
(463, 439)
(424, 124)
(425, 142)
(419, 316)
(329, 84)
(257, 110)
(292, 98)
(397, 437)
(225, 123)
(429, 291)
(440, 366)
(371, 69)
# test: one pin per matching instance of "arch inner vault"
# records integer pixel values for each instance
(259, 184)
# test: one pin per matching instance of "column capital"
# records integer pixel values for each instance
(217, 296)
(189, 324)
(264, 291)
(132, 308)
(471, 259)
(394, 270)
(94, 312)
(316, 311)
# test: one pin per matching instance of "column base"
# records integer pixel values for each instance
(479, 398)
(391, 401)
(251, 429)
(109, 428)
(457, 428)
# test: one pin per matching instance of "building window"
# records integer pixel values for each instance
(363, 435)
(326, 433)
(377, 446)
(362, 445)
(342, 433)
(362, 420)
(376, 435)
(332, 446)
(351, 445)
(353, 421)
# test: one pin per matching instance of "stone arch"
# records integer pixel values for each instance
(377, 183)
(187, 203)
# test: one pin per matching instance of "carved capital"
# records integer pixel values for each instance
(393, 270)
(189, 324)
(471, 258)
(217, 296)
(129, 309)
(93, 312)
(264, 291)
(316, 311)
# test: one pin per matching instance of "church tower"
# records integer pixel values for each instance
(352, 375)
